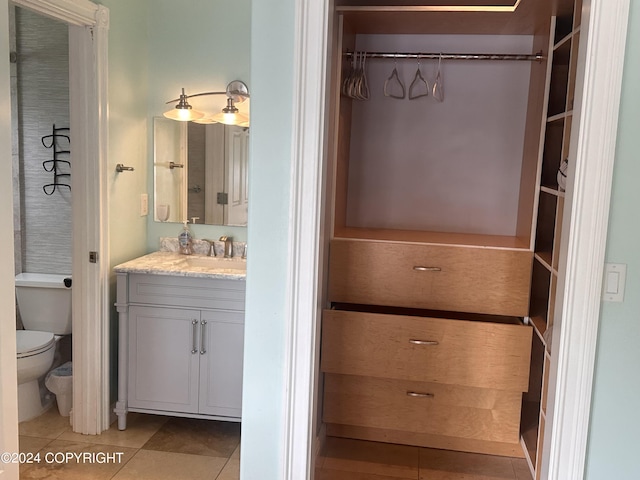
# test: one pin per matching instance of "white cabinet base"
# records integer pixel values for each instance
(180, 346)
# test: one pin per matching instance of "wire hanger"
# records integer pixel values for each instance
(418, 83)
(394, 80)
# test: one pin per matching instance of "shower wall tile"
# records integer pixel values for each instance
(43, 100)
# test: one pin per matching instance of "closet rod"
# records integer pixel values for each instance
(453, 56)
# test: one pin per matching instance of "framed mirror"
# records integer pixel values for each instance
(200, 171)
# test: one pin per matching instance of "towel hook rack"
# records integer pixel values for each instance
(53, 165)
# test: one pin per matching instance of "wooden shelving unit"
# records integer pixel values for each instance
(381, 236)
(563, 58)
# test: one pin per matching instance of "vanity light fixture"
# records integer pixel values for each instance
(183, 112)
(236, 92)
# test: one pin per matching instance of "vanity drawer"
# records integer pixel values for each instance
(191, 292)
(435, 277)
(422, 408)
(458, 352)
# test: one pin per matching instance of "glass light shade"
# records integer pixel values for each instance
(184, 114)
(231, 118)
(183, 111)
(205, 121)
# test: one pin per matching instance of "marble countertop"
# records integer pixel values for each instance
(171, 263)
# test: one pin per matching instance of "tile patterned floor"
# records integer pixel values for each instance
(151, 448)
(170, 448)
(345, 459)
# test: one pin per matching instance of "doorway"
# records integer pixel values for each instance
(565, 449)
(88, 26)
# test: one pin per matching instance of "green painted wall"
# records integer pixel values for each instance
(128, 80)
(128, 87)
(272, 44)
(615, 417)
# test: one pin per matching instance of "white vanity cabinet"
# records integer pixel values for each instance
(181, 346)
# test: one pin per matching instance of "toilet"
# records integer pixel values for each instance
(44, 302)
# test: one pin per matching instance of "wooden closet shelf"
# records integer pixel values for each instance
(437, 238)
(446, 17)
(545, 259)
(539, 326)
(552, 191)
(560, 116)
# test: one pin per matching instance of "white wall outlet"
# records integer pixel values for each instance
(615, 275)
(144, 204)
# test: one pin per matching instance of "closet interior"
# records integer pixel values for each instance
(449, 131)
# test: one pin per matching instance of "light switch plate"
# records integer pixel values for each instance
(615, 275)
(144, 204)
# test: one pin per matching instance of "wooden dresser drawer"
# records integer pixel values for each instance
(424, 349)
(423, 408)
(435, 277)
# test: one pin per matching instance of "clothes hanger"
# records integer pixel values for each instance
(394, 82)
(418, 83)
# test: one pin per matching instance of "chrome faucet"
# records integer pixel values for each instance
(228, 246)
(212, 249)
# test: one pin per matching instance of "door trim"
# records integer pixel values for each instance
(8, 358)
(592, 151)
(574, 354)
(88, 60)
(305, 227)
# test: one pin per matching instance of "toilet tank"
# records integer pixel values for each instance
(44, 302)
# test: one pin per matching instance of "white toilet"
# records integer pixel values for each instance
(44, 302)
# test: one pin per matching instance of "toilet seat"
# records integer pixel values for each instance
(33, 342)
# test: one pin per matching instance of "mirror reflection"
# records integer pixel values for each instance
(200, 172)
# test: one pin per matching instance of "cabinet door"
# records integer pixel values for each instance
(163, 359)
(221, 363)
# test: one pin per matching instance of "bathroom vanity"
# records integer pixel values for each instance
(181, 334)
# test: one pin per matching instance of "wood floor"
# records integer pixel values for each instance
(345, 459)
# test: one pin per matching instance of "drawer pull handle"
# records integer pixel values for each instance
(419, 268)
(194, 337)
(202, 337)
(420, 395)
(415, 341)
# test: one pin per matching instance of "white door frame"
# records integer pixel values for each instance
(8, 368)
(88, 36)
(603, 44)
(586, 217)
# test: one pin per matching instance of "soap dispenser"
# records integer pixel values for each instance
(185, 240)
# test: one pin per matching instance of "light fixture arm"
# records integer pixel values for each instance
(236, 90)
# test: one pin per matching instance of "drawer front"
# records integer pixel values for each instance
(186, 292)
(423, 408)
(435, 277)
(435, 350)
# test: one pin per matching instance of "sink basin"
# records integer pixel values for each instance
(216, 263)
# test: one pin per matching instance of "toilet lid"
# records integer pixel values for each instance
(32, 342)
